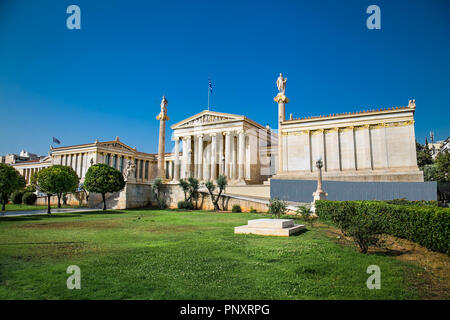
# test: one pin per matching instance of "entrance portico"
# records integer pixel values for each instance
(216, 143)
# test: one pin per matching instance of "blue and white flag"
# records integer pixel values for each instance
(210, 84)
(56, 141)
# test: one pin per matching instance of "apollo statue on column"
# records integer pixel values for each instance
(281, 84)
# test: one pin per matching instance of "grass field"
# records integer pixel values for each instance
(151, 254)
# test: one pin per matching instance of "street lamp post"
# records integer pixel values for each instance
(319, 194)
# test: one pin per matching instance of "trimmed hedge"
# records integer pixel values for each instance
(405, 202)
(29, 198)
(426, 225)
(236, 208)
(16, 197)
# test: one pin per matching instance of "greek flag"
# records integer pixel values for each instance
(210, 84)
(56, 141)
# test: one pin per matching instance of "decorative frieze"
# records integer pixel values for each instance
(349, 128)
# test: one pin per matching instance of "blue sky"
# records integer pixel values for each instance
(107, 79)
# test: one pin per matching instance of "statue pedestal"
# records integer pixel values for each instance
(318, 195)
(130, 180)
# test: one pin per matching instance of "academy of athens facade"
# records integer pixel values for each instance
(373, 145)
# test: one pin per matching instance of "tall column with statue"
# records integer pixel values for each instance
(162, 117)
(281, 99)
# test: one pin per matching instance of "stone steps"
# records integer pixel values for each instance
(270, 227)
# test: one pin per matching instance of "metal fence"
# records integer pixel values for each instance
(301, 190)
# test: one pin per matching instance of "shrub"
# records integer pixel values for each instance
(236, 208)
(253, 210)
(16, 197)
(187, 205)
(307, 214)
(29, 198)
(277, 207)
(426, 225)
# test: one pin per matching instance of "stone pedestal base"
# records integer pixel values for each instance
(318, 195)
(270, 227)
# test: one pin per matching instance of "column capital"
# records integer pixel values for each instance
(199, 136)
(186, 138)
(176, 138)
(240, 131)
(213, 134)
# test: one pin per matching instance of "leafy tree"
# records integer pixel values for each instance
(58, 180)
(10, 181)
(443, 166)
(194, 185)
(221, 183)
(185, 187)
(423, 155)
(429, 172)
(157, 185)
(101, 178)
(190, 188)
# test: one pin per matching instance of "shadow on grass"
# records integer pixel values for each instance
(303, 231)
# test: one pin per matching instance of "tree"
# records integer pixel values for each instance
(429, 172)
(194, 185)
(190, 188)
(185, 187)
(10, 181)
(58, 180)
(423, 155)
(157, 188)
(101, 178)
(442, 164)
(221, 183)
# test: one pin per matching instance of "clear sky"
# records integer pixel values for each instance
(107, 79)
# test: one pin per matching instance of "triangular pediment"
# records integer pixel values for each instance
(116, 145)
(206, 118)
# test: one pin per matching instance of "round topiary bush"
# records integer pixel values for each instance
(29, 198)
(236, 208)
(16, 197)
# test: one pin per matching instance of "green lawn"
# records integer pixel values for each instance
(24, 207)
(150, 254)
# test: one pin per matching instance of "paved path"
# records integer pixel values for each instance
(44, 211)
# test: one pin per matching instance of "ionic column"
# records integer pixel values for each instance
(188, 171)
(241, 154)
(176, 175)
(233, 158)
(221, 162)
(138, 168)
(200, 158)
(213, 155)
(227, 154)
(79, 165)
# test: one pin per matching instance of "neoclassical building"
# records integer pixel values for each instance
(114, 153)
(214, 143)
(373, 145)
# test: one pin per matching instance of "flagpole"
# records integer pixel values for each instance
(208, 96)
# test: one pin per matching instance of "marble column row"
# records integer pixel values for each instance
(78, 161)
(205, 156)
(28, 173)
